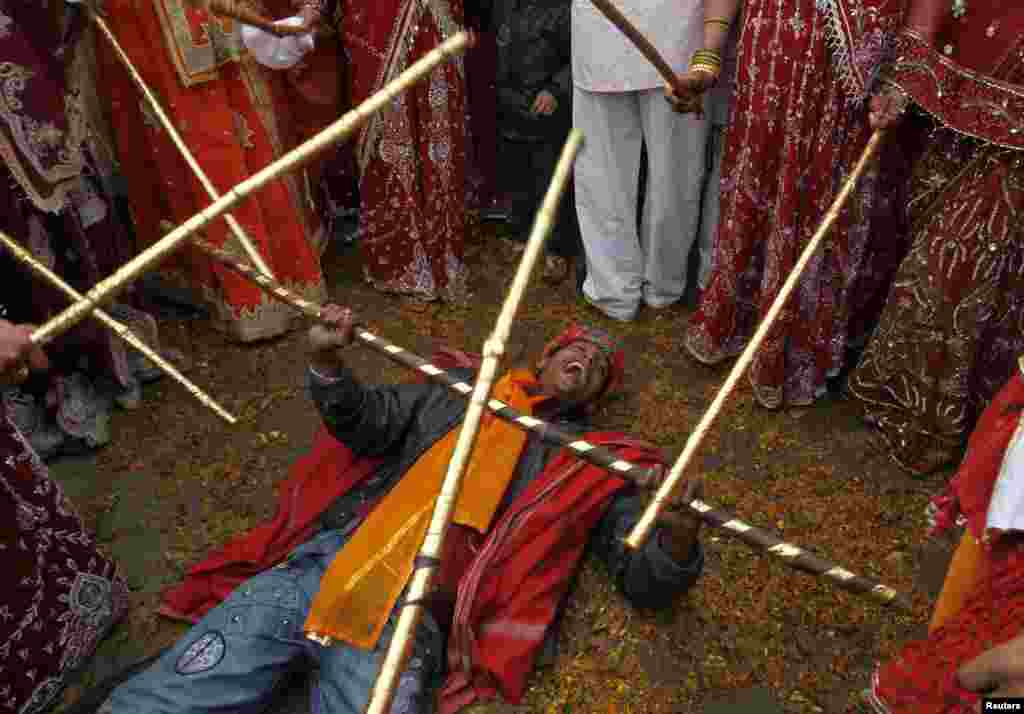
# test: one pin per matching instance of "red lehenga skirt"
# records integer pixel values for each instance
(794, 135)
(411, 156)
(236, 117)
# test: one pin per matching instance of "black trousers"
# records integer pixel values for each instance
(526, 163)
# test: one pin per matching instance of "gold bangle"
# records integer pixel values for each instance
(718, 21)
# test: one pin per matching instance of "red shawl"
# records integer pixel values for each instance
(315, 481)
(319, 477)
(511, 590)
(967, 71)
(922, 678)
(970, 490)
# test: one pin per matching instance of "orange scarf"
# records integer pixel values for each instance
(360, 588)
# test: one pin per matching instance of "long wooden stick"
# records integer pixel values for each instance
(238, 11)
(760, 539)
(179, 143)
(549, 433)
(642, 44)
(107, 288)
(643, 527)
(119, 329)
(494, 348)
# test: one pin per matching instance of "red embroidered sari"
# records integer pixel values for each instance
(411, 157)
(798, 124)
(954, 323)
(236, 118)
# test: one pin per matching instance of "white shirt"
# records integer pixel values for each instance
(604, 60)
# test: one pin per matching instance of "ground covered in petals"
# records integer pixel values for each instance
(753, 636)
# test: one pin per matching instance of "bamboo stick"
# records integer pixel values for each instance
(646, 523)
(759, 539)
(107, 288)
(642, 44)
(179, 143)
(118, 328)
(494, 348)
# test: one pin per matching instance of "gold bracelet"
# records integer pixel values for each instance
(718, 21)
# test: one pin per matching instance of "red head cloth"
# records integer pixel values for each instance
(611, 348)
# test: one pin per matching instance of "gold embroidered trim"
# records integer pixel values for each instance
(403, 36)
(197, 63)
(19, 133)
(268, 319)
(900, 66)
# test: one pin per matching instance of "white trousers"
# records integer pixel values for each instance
(624, 267)
(711, 210)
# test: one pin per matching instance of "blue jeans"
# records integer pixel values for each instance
(234, 658)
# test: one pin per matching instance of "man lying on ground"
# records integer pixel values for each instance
(525, 513)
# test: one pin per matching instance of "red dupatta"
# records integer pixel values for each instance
(967, 71)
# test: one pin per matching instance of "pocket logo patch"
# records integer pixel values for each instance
(202, 655)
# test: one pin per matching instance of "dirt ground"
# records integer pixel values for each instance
(752, 636)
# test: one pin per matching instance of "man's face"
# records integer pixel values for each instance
(576, 373)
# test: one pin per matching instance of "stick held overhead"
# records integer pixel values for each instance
(106, 289)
